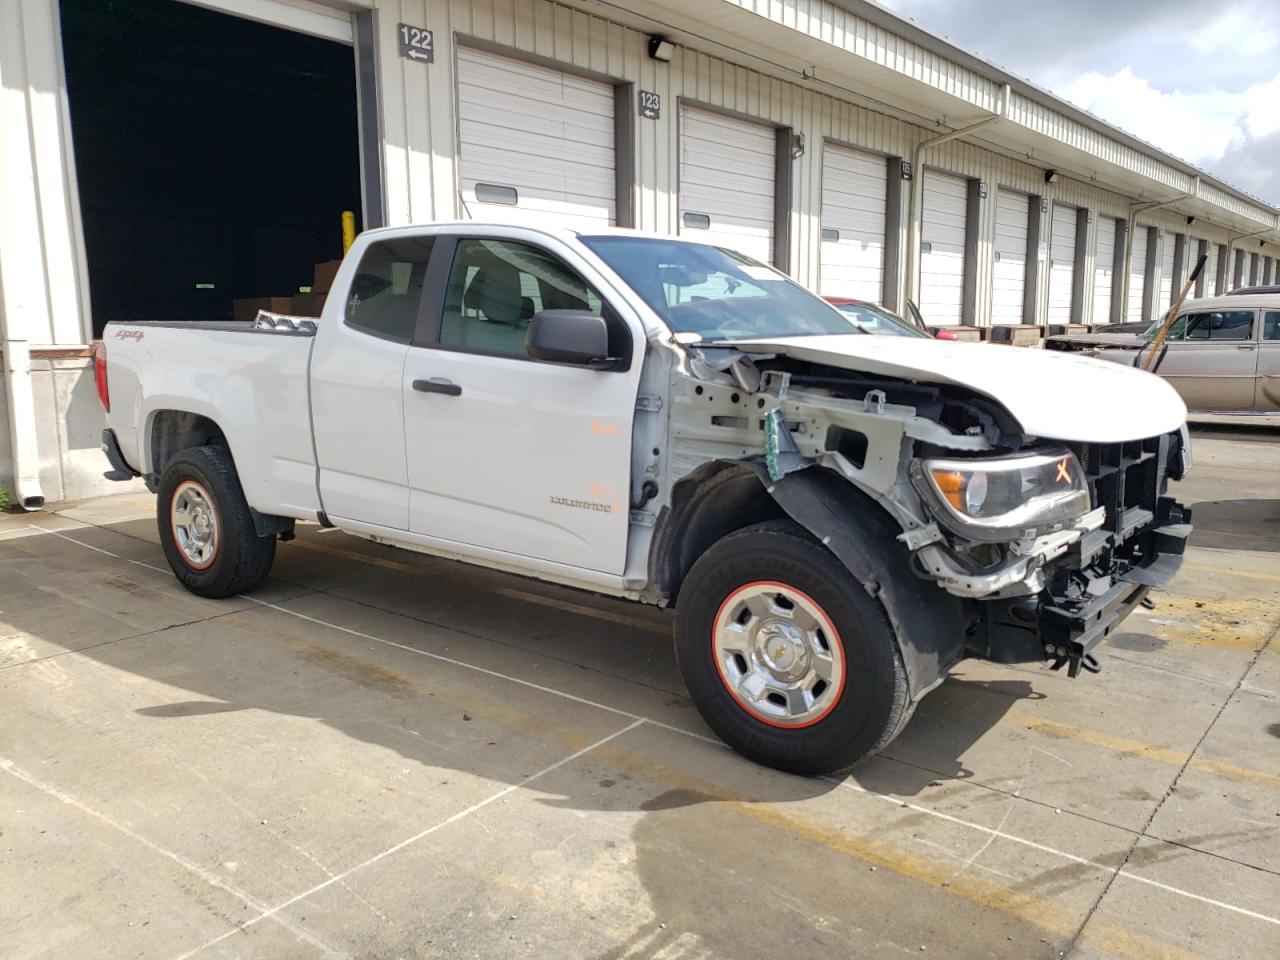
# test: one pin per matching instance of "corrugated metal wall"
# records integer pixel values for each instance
(43, 285)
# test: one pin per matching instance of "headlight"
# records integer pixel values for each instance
(1024, 495)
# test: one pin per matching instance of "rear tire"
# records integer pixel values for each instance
(785, 655)
(206, 527)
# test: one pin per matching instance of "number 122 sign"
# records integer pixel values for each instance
(417, 43)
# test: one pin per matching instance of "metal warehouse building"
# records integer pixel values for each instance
(163, 158)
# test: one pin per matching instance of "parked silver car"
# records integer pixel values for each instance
(1223, 353)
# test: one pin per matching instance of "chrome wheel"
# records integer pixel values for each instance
(195, 524)
(778, 654)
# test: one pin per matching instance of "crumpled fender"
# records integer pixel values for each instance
(928, 621)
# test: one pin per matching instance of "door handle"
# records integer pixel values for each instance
(438, 385)
(1244, 346)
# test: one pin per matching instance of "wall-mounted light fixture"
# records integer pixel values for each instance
(797, 146)
(660, 48)
(1051, 176)
(1190, 221)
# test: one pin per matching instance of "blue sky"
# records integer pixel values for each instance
(1200, 80)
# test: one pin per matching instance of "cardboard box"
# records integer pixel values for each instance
(246, 310)
(322, 279)
(307, 305)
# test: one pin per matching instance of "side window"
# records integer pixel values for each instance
(1271, 325)
(1222, 325)
(495, 288)
(387, 290)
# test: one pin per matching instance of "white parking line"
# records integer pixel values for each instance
(989, 831)
(336, 878)
(8, 766)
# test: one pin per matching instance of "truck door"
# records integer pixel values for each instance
(1266, 393)
(510, 453)
(356, 399)
(1213, 359)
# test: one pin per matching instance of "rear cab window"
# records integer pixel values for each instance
(386, 292)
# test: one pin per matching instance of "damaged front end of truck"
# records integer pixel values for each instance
(1003, 544)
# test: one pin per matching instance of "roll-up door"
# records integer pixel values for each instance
(854, 194)
(1137, 274)
(942, 229)
(1168, 243)
(1009, 272)
(1190, 253)
(1062, 262)
(1104, 269)
(727, 171)
(534, 141)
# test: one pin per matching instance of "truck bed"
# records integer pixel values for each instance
(251, 378)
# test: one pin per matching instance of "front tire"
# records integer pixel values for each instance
(785, 655)
(206, 527)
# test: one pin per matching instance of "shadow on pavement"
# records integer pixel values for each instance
(1252, 524)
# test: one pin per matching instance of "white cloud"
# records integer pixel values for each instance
(1198, 126)
(1236, 33)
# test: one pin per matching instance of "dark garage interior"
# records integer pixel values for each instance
(214, 156)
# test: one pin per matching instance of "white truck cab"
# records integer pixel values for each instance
(838, 518)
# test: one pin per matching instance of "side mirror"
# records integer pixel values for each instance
(569, 336)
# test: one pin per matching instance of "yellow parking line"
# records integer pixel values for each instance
(1234, 572)
(1048, 916)
(1137, 748)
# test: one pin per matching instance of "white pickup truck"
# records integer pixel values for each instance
(837, 518)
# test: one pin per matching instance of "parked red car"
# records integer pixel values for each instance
(875, 319)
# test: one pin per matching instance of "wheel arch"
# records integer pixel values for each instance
(170, 431)
(723, 496)
(709, 503)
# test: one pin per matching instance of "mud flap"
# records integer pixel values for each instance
(928, 622)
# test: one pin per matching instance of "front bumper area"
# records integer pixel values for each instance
(1105, 573)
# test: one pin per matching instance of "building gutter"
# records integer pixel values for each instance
(915, 212)
(22, 422)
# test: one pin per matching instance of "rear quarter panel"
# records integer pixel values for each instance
(253, 385)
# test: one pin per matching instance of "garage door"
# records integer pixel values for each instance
(1168, 243)
(1062, 265)
(1104, 269)
(1009, 273)
(854, 195)
(942, 248)
(304, 16)
(1211, 269)
(534, 141)
(726, 182)
(1137, 274)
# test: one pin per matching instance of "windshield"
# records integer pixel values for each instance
(874, 320)
(716, 294)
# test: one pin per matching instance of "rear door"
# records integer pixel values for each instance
(1266, 393)
(356, 401)
(1213, 359)
(506, 453)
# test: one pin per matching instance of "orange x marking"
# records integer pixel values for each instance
(1063, 475)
